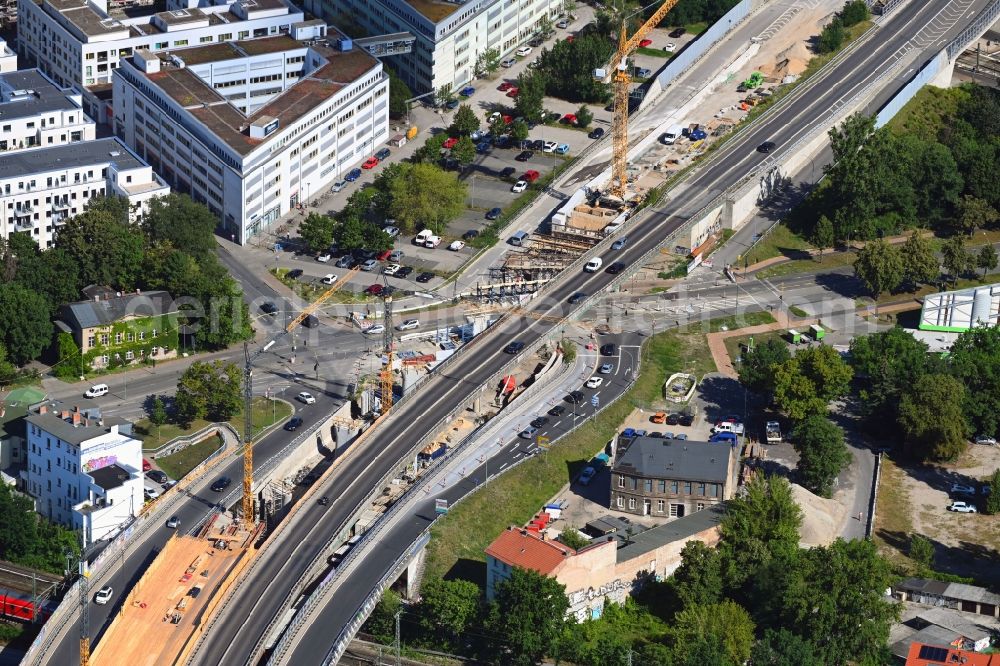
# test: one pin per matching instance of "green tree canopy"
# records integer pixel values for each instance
(316, 231)
(974, 213)
(806, 383)
(177, 219)
(526, 616)
(106, 250)
(584, 116)
(530, 96)
(879, 266)
(986, 259)
(399, 92)
(28, 539)
(757, 367)
(975, 361)
(464, 151)
(931, 419)
(568, 68)
(209, 391)
(725, 624)
(922, 551)
(572, 538)
(465, 121)
(450, 606)
(920, 266)
(781, 647)
(488, 62)
(25, 328)
(698, 579)
(955, 257)
(426, 194)
(993, 499)
(823, 236)
(822, 453)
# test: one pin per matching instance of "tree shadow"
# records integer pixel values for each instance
(722, 396)
(473, 571)
(842, 284)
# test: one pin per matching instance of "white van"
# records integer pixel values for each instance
(96, 391)
(672, 134)
(728, 426)
(594, 265)
(422, 237)
(432, 241)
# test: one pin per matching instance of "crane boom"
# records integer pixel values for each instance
(247, 505)
(619, 124)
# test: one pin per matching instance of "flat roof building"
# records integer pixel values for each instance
(253, 128)
(450, 36)
(80, 43)
(35, 112)
(958, 311)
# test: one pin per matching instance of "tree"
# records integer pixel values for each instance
(725, 624)
(464, 151)
(879, 266)
(444, 95)
(545, 26)
(179, 220)
(382, 622)
(698, 579)
(71, 364)
(954, 257)
(426, 194)
(519, 130)
(757, 365)
(922, 551)
(157, 413)
(431, 150)
(806, 383)
(399, 93)
(781, 647)
(53, 273)
(986, 259)
(465, 121)
(25, 329)
(854, 12)
(822, 235)
(993, 499)
(530, 96)
(568, 68)
(227, 315)
(584, 116)
(451, 606)
(569, 351)
(920, 266)
(209, 390)
(974, 213)
(106, 250)
(832, 37)
(975, 361)
(931, 419)
(28, 539)
(350, 233)
(822, 453)
(488, 62)
(497, 128)
(316, 231)
(8, 372)
(527, 615)
(572, 538)
(654, 654)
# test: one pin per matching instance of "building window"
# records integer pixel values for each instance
(687, 487)
(673, 487)
(129, 355)
(621, 481)
(633, 483)
(648, 485)
(661, 485)
(660, 506)
(621, 502)
(142, 335)
(118, 338)
(701, 505)
(631, 502)
(701, 489)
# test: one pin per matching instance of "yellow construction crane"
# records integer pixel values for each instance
(248, 512)
(619, 123)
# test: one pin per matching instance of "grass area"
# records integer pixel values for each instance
(458, 540)
(780, 242)
(654, 53)
(797, 266)
(177, 465)
(797, 311)
(697, 28)
(739, 321)
(928, 111)
(265, 413)
(892, 518)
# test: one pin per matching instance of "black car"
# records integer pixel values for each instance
(677, 32)
(507, 172)
(294, 274)
(577, 298)
(221, 484)
(558, 410)
(382, 154)
(156, 475)
(685, 419)
(323, 501)
(596, 133)
(575, 397)
(514, 347)
(425, 277)
(608, 349)
(524, 156)
(268, 308)
(312, 321)
(673, 419)
(765, 147)
(616, 268)
(404, 272)
(293, 424)
(365, 255)
(539, 422)
(537, 144)
(553, 117)
(472, 233)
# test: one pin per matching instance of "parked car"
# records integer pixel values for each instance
(375, 329)
(587, 475)
(346, 261)
(562, 24)
(391, 269)
(642, 72)
(374, 289)
(677, 32)
(524, 156)
(352, 175)
(670, 46)
(157, 476)
(549, 146)
(562, 149)
(963, 507)
(483, 147)
(513, 92)
(493, 214)
(523, 51)
(457, 245)
(329, 278)
(323, 257)
(507, 63)
(383, 153)
(268, 308)
(530, 175)
(293, 424)
(596, 133)
(338, 186)
(594, 382)
(425, 277)
(369, 265)
(404, 272)
(467, 91)
(569, 119)
(986, 440)
(408, 325)
(294, 274)
(392, 231)
(306, 397)
(396, 256)
(519, 186)
(645, 42)
(473, 233)
(449, 143)
(221, 484)
(507, 172)
(370, 163)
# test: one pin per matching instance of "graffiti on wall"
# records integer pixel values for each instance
(98, 463)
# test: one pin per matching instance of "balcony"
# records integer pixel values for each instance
(58, 205)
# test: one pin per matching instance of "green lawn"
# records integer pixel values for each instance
(176, 465)
(830, 260)
(740, 321)
(780, 242)
(310, 292)
(798, 312)
(654, 53)
(265, 413)
(927, 112)
(458, 540)
(697, 28)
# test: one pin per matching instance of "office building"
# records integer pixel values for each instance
(252, 129)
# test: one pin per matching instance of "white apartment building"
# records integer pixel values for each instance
(8, 59)
(253, 128)
(35, 112)
(41, 188)
(449, 35)
(80, 42)
(84, 471)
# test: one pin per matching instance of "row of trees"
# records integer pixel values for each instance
(835, 32)
(28, 539)
(756, 597)
(172, 249)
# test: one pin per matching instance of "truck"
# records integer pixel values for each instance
(672, 134)
(772, 431)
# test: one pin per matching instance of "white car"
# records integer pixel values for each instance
(432, 241)
(495, 116)
(377, 328)
(306, 397)
(96, 391)
(586, 475)
(519, 186)
(523, 51)
(456, 245)
(151, 493)
(391, 269)
(408, 325)
(323, 258)
(963, 507)
(670, 46)
(986, 440)
(392, 231)
(594, 382)
(329, 278)
(103, 595)
(549, 146)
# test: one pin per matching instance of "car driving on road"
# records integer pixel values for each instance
(306, 397)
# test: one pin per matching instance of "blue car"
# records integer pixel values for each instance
(697, 135)
(562, 149)
(353, 175)
(494, 214)
(620, 243)
(467, 91)
(483, 147)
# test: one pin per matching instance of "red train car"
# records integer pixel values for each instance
(20, 606)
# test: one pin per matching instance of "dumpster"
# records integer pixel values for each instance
(817, 332)
(794, 336)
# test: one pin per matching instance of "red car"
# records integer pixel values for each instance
(370, 163)
(146, 466)
(506, 85)
(513, 92)
(374, 290)
(450, 143)
(531, 175)
(507, 120)
(569, 119)
(645, 42)
(382, 256)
